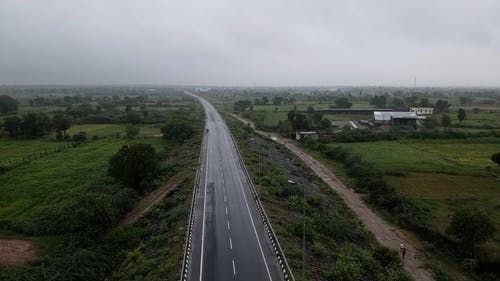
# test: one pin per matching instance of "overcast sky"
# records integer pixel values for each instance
(251, 42)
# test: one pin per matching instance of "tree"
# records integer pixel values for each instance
(82, 110)
(242, 105)
(299, 121)
(379, 101)
(343, 103)
(465, 100)
(496, 158)
(445, 121)
(13, 126)
(461, 115)
(133, 164)
(471, 227)
(277, 100)
(35, 124)
(442, 105)
(424, 102)
(317, 116)
(133, 117)
(398, 103)
(61, 124)
(8, 104)
(178, 130)
(132, 131)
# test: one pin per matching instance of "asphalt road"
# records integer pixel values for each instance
(229, 238)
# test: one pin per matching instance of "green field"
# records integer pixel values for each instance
(442, 174)
(57, 194)
(113, 129)
(15, 149)
(28, 189)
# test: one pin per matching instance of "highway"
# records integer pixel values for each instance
(229, 239)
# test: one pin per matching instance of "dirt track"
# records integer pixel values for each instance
(386, 234)
(15, 252)
(143, 206)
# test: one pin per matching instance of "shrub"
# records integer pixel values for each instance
(441, 275)
(80, 137)
(496, 158)
(471, 227)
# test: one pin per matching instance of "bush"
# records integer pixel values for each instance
(471, 227)
(80, 137)
(353, 262)
(441, 275)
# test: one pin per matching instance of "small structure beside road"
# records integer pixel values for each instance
(311, 135)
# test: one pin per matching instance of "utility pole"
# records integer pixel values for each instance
(304, 235)
(259, 171)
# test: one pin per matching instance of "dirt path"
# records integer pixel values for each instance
(386, 234)
(143, 206)
(15, 252)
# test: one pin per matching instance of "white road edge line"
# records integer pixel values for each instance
(204, 207)
(248, 209)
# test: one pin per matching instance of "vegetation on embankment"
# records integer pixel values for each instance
(338, 247)
(421, 185)
(65, 202)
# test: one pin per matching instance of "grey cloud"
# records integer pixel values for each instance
(228, 42)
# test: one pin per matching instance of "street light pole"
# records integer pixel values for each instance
(304, 235)
(260, 186)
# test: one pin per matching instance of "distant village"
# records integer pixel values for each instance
(413, 116)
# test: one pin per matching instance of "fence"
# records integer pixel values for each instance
(27, 158)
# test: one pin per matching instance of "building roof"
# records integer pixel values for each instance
(307, 133)
(389, 115)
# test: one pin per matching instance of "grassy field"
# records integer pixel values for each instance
(14, 149)
(65, 202)
(27, 190)
(442, 174)
(113, 129)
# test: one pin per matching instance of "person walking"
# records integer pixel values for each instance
(402, 249)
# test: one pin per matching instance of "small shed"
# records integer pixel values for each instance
(311, 135)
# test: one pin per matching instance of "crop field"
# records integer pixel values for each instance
(442, 174)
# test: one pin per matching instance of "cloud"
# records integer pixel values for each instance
(231, 42)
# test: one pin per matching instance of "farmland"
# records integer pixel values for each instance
(415, 176)
(57, 194)
(443, 174)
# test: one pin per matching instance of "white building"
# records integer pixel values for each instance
(312, 135)
(422, 110)
(395, 117)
